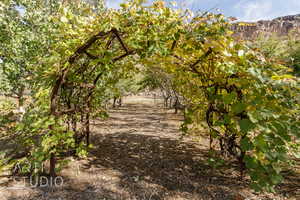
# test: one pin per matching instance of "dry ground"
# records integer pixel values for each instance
(139, 154)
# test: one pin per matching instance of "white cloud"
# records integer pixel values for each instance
(245, 10)
(255, 10)
(296, 2)
(113, 3)
(190, 2)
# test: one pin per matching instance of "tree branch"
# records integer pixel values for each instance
(193, 66)
(115, 31)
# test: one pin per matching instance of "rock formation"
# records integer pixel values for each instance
(280, 26)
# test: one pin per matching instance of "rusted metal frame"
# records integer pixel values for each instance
(64, 72)
(193, 66)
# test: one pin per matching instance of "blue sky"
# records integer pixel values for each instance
(244, 10)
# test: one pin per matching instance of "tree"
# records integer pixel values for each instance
(249, 104)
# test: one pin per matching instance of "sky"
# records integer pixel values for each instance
(244, 10)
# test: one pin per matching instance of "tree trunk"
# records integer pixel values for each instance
(20, 101)
(20, 96)
(52, 160)
(166, 101)
(87, 129)
(114, 103)
(120, 101)
(176, 105)
(52, 165)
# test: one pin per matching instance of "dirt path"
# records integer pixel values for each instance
(139, 154)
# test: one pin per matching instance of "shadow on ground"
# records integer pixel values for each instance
(138, 154)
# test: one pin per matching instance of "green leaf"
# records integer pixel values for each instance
(276, 178)
(238, 108)
(254, 116)
(250, 162)
(260, 143)
(281, 130)
(295, 129)
(246, 125)
(229, 98)
(176, 36)
(246, 144)
(227, 119)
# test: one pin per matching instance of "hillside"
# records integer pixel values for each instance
(280, 26)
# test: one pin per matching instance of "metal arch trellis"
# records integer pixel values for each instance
(61, 80)
(58, 107)
(61, 107)
(61, 84)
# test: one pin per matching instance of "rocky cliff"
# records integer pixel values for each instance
(281, 26)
